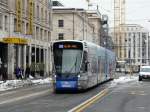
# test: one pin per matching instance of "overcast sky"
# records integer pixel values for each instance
(137, 11)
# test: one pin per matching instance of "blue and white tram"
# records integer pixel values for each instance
(81, 65)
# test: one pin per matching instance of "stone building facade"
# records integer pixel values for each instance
(136, 46)
(25, 27)
(71, 24)
(95, 18)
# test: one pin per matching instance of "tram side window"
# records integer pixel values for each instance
(85, 62)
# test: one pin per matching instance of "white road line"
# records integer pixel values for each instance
(3, 94)
(24, 97)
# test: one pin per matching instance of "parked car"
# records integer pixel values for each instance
(144, 73)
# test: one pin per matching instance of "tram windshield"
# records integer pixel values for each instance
(67, 60)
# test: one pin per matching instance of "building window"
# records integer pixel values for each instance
(41, 34)
(38, 11)
(42, 15)
(34, 13)
(46, 17)
(6, 23)
(1, 21)
(23, 27)
(60, 23)
(27, 28)
(60, 36)
(27, 10)
(49, 38)
(45, 35)
(139, 52)
(49, 17)
(15, 25)
(23, 5)
(37, 33)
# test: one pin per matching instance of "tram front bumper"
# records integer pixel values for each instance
(63, 85)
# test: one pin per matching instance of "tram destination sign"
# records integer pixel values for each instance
(66, 45)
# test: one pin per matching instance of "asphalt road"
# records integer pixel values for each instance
(127, 97)
(41, 98)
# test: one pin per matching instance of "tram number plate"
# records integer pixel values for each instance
(68, 84)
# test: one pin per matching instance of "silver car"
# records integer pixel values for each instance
(144, 73)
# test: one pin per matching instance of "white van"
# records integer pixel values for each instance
(144, 73)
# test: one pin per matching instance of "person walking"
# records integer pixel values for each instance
(0, 71)
(27, 72)
(18, 73)
(4, 72)
(22, 73)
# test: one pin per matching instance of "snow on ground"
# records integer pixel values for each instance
(13, 84)
(42, 81)
(123, 79)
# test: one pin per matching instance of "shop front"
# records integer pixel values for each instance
(13, 54)
(22, 52)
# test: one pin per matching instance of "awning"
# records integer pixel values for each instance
(15, 40)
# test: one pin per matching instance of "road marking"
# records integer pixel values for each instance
(137, 93)
(3, 94)
(24, 97)
(132, 93)
(140, 107)
(89, 102)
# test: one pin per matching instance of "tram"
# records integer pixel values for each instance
(80, 65)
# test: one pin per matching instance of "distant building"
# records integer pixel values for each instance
(72, 24)
(136, 44)
(76, 24)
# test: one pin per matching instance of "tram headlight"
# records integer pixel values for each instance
(82, 77)
(79, 76)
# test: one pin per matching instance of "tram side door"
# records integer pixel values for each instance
(99, 71)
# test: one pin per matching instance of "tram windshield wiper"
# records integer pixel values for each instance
(74, 65)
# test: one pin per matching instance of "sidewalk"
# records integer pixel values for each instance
(124, 79)
(13, 84)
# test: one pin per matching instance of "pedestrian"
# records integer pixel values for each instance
(0, 71)
(27, 72)
(32, 69)
(4, 72)
(18, 73)
(22, 72)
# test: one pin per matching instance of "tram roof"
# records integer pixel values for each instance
(69, 41)
(82, 41)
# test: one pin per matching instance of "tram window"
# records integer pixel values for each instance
(85, 62)
(86, 67)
